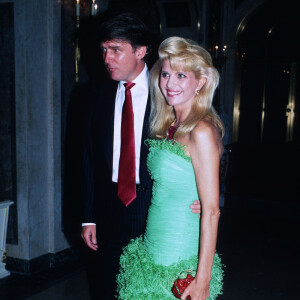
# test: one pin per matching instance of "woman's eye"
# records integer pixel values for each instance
(181, 75)
(164, 74)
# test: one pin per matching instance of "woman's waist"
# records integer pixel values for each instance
(168, 215)
(172, 234)
(169, 239)
(167, 194)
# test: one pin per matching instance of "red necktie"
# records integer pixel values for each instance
(126, 178)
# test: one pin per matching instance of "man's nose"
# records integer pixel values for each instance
(106, 57)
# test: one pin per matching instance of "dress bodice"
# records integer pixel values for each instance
(172, 231)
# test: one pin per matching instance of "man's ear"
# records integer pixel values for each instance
(141, 52)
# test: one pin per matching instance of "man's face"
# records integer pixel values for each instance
(122, 61)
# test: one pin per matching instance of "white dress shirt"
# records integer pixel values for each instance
(139, 94)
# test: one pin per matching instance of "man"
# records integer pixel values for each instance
(113, 213)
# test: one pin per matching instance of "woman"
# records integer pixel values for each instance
(184, 157)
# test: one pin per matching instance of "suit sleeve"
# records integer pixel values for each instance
(88, 171)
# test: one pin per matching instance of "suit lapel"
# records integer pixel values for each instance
(146, 124)
(106, 125)
(144, 149)
(106, 108)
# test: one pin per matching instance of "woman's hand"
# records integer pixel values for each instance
(198, 290)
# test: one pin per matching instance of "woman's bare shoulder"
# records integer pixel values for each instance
(205, 130)
(204, 134)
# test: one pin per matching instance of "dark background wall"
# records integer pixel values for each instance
(7, 117)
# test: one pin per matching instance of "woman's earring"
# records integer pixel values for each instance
(197, 92)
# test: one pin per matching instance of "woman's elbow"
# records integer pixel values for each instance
(214, 213)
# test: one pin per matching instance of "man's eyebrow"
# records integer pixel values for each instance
(114, 47)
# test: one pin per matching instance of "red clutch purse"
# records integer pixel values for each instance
(183, 280)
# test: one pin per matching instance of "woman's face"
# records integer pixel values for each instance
(178, 87)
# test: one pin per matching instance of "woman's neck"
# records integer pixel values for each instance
(181, 116)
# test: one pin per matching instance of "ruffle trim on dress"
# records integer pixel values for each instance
(170, 145)
(141, 279)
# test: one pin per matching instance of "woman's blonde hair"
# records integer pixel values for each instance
(184, 55)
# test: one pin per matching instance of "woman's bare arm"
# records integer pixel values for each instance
(205, 148)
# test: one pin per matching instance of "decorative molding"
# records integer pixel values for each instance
(41, 263)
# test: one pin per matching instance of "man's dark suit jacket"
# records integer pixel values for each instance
(99, 193)
(115, 223)
(98, 153)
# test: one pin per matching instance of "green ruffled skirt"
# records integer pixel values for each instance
(141, 279)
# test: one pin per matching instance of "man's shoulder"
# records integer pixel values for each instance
(105, 87)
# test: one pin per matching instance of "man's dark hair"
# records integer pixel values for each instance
(126, 27)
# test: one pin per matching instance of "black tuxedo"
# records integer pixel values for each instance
(116, 224)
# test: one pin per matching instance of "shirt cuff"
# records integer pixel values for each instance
(85, 224)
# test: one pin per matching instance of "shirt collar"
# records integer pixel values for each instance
(142, 81)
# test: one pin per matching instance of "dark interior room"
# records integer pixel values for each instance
(50, 60)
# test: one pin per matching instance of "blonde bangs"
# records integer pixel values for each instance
(182, 62)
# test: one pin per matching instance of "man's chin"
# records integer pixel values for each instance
(114, 76)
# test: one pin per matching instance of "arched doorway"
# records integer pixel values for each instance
(269, 71)
(266, 109)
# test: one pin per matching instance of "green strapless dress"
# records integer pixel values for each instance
(151, 263)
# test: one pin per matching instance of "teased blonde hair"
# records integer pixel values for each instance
(184, 55)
